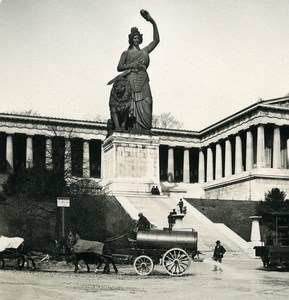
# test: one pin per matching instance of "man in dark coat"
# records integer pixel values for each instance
(143, 223)
(171, 220)
(219, 252)
(181, 204)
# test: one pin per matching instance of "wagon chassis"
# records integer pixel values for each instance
(175, 261)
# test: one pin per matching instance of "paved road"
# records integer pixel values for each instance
(240, 279)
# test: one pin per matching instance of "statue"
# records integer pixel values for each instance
(120, 103)
(133, 64)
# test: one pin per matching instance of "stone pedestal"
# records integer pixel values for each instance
(178, 221)
(131, 163)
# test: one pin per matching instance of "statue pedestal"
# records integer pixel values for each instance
(131, 163)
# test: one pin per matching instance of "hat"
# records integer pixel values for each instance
(218, 242)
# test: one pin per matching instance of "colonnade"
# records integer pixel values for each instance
(48, 159)
(241, 152)
(256, 147)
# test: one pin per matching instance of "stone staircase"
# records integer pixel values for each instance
(157, 208)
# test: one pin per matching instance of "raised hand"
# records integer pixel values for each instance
(145, 14)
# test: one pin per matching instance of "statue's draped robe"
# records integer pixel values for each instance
(141, 108)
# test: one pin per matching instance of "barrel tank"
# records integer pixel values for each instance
(167, 239)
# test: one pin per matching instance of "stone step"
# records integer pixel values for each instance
(157, 208)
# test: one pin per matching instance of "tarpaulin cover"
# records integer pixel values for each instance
(88, 246)
(7, 242)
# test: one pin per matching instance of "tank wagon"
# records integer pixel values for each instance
(173, 248)
(275, 252)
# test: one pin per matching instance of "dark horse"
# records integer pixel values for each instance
(19, 253)
(87, 251)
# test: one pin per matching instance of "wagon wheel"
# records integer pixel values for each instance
(143, 265)
(176, 261)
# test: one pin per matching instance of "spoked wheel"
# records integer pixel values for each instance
(176, 261)
(143, 265)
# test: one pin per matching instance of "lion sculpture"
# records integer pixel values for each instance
(120, 105)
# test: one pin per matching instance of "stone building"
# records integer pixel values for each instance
(240, 157)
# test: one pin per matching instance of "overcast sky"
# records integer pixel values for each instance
(215, 56)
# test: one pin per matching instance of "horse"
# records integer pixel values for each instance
(90, 252)
(15, 248)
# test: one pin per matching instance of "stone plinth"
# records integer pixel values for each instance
(255, 231)
(178, 220)
(131, 163)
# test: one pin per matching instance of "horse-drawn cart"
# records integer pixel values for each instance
(172, 248)
(14, 248)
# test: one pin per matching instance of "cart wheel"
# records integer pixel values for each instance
(143, 265)
(176, 261)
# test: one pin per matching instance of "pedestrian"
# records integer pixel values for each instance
(143, 223)
(219, 252)
(157, 191)
(171, 220)
(184, 210)
(181, 205)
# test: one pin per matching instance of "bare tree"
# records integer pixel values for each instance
(166, 120)
(29, 112)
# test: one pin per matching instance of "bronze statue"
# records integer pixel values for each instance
(134, 63)
(120, 103)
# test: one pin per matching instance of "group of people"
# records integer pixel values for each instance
(155, 190)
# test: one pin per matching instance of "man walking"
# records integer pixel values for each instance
(219, 252)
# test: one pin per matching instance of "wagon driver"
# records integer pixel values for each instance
(143, 223)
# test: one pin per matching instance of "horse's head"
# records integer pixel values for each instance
(72, 239)
(61, 245)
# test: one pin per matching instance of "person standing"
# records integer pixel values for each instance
(171, 220)
(181, 205)
(218, 255)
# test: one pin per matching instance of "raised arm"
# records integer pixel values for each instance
(156, 36)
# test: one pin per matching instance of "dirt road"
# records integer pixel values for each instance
(240, 279)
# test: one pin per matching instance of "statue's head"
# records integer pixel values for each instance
(134, 32)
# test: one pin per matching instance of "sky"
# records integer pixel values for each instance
(215, 57)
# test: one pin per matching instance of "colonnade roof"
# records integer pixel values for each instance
(250, 115)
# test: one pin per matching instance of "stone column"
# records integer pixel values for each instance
(276, 148)
(228, 158)
(29, 152)
(9, 154)
(48, 153)
(201, 174)
(260, 146)
(219, 164)
(186, 167)
(210, 164)
(255, 231)
(86, 159)
(171, 170)
(287, 143)
(238, 155)
(67, 159)
(249, 151)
